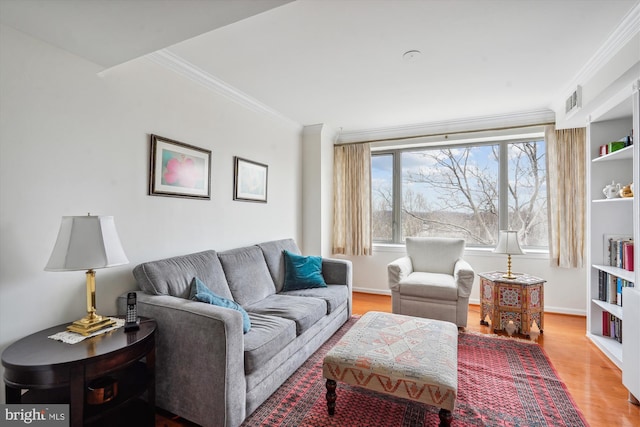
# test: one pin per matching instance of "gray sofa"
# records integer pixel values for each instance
(207, 370)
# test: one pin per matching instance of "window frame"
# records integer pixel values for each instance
(503, 179)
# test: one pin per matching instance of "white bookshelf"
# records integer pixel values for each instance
(614, 217)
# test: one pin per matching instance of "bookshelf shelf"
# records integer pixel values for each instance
(618, 272)
(610, 222)
(625, 153)
(614, 309)
(610, 347)
(620, 200)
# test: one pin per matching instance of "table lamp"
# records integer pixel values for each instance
(508, 244)
(87, 243)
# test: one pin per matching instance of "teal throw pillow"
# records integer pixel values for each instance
(302, 272)
(200, 292)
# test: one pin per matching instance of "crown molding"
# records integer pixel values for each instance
(626, 30)
(179, 65)
(498, 121)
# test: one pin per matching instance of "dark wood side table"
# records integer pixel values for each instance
(519, 300)
(55, 372)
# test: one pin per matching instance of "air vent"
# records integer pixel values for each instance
(574, 101)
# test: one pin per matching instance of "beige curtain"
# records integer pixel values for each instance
(352, 200)
(566, 151)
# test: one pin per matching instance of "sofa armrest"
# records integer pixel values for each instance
(339, 272)
(397, 271)
(464, 276)
(199, 352)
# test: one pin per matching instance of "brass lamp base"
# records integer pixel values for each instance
(90, 324)
(509, 274)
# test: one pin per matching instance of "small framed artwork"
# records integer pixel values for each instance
(250, 181)
(179, 170)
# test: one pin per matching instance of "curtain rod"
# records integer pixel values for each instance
(402, 138)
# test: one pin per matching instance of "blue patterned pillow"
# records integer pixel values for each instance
(200, 292)
(302, 272)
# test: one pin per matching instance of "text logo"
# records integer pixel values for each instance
(40, 415)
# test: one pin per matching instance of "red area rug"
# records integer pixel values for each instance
(501, 382)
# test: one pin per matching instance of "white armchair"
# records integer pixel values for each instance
(432, 281)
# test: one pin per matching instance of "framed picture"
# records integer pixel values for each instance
(250, 181)
(179, 170)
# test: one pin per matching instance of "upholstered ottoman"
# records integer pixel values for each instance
(405, 356)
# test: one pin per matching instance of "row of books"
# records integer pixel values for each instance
(610, 287)
(611, 326)
(620, 251)
(616, 145)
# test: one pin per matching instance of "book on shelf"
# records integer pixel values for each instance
(610, 287)
(618, 251)
(611, 326)
(627, 255)
(619, 291)
(601, 295)
(614, 146)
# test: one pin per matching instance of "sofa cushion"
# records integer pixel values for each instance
(302, 272)
(199, 292)
(305, 311)
(440, 286)
(247, 274)
(333, 295)
(275, 260)
(173, 276)
(267, 337)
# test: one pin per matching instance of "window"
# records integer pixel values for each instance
(382, 197)
(466, 190)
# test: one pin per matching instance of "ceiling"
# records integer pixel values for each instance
(340, 62)
(110, 32)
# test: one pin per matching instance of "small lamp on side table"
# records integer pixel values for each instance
(87, 243)
(508, 244)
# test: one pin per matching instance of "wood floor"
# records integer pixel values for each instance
(594, 382)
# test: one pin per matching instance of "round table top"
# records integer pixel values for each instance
(37, 350)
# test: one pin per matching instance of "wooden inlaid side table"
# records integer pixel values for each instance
(519, 300)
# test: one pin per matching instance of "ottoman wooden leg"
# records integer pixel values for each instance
(331, 396)
(445, 418)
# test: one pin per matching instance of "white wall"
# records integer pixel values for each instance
(73, 142)
(317, 189)
(564, 292)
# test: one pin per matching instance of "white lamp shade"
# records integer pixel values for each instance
(508, 243)
(86, 242)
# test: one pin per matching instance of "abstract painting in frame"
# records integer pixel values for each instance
(250, 181)
(179, 170)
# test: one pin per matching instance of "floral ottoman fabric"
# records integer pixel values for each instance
(405, 356)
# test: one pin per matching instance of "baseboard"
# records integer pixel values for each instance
(567, 311)
(472, 301)
(372, 291)
(547, 309)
